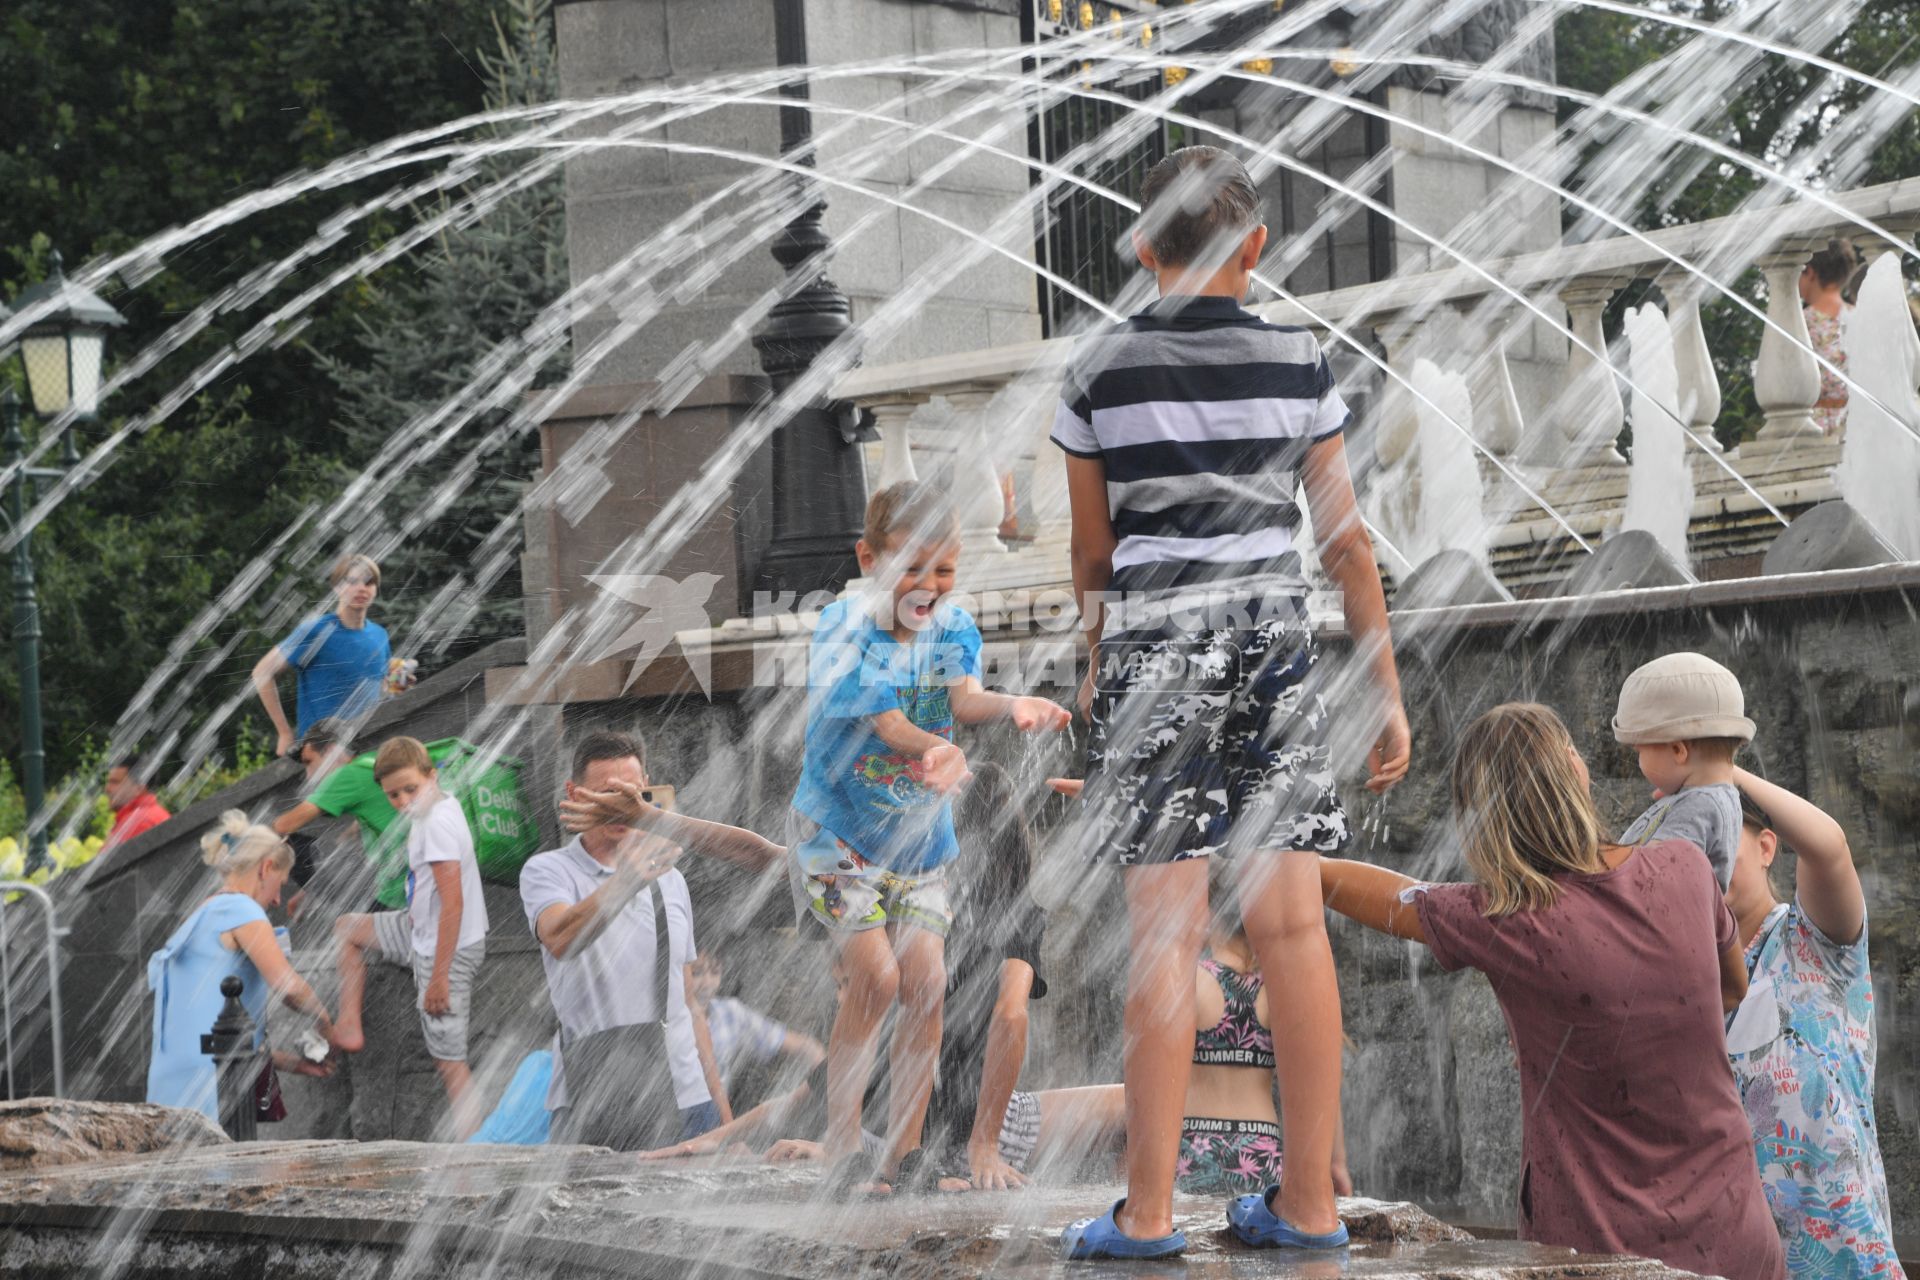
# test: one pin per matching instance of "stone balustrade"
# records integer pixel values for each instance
(1549, 459)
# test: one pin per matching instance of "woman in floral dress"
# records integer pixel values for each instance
(1821, 298)
(1802, 1041)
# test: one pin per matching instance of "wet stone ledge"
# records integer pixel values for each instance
(344, 1210)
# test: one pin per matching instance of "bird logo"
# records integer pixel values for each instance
(668, 606)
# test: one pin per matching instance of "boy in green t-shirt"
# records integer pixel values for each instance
(346, 788)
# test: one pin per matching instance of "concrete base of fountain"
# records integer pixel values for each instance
(1449, 578)
(1630, 560)
(1833, 535)
(338, 1210)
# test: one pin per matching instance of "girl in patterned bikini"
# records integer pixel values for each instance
(1230, 1138)
(1230, 1133)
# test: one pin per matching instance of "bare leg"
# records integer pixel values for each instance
(1074, 1122)
(921, 957)
(1286, 923)
(354, 933)
(873, 980)
(461, 1098)
(1167, 919)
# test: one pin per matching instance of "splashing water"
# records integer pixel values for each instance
(1879, 471)
(1660, 485)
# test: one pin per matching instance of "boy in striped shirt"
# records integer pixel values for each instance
(1188, 429)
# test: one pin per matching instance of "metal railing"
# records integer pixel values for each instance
(54, 934)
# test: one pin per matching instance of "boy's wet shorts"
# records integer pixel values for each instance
(845, 893)
(446, 1034)
(1210, 741)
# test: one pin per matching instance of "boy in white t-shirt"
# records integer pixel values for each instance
(442, 934)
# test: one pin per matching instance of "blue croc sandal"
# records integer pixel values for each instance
(1254, 1222)
(1102, 1238)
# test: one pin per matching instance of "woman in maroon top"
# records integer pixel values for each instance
(1614, 967)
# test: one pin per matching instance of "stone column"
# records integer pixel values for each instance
(1496, 410)
(976, 472)
(1699, 383)
(890, 418)
(1786, 377)
(1591, 411)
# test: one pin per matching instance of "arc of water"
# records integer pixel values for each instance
(1265, 279)
(1647, 13)
(570, 114)
(1089, 145)
(1597, 102)
(1686, 266)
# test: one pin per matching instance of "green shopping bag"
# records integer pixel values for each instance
(505, 834)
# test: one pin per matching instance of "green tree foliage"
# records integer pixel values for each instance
(1789, 114)
(125, 119)
(427, 323)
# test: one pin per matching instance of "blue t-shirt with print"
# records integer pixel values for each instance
(851, 782)
(339, 669)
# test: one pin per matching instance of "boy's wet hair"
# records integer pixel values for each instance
(605, 744)
(1197, 205)
(349, 564)
(396, 754)
(328, 731)
(913, 509)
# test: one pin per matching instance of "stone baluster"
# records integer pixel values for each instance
(1786, 377)
(1394, 435)
(976, 471)
(1591, 410)
(890, 417)
(1699, 382)
(1496, 409)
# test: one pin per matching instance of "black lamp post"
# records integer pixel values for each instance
(819, 478)
(64, 352)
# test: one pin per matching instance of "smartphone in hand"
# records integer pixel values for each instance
(660, 797)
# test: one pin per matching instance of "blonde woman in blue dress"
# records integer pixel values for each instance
(226, 935)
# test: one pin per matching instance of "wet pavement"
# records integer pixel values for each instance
(398, 1208)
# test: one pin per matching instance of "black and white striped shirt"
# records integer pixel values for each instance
(1202, 414)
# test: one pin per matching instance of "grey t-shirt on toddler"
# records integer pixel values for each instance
(1709, 816)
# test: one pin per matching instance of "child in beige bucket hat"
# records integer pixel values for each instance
(1686, 716)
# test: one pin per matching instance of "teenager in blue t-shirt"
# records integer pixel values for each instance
(339, 659)
(871, 832)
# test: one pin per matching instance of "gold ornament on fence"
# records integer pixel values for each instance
(1259, 66)
(1146, 36)
(1175, 75)
(1344, 63)
(1056, 10)
(1086, 15)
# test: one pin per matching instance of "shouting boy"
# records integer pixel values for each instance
(889, 675)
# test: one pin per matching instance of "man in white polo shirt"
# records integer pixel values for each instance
(593, 904)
